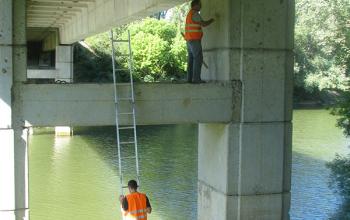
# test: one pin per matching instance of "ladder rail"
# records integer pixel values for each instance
(116, 113)
(131, 67)
(132, 113)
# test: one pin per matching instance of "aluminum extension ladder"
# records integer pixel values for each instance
(129, 101)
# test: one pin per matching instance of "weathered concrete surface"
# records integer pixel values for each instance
(13, 149)
(42, 73)
(93, 104)
(219, 205)
(64, 63)
(102, 15)
(63, 70)
(244, 167)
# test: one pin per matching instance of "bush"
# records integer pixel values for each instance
(340, 175)
(343, 110)
(159, 53)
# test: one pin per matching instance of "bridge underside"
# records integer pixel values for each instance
(244, 149)
(76, 20)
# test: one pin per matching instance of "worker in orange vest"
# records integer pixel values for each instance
(193, 36)
(135, 205)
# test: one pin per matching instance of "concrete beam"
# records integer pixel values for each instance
(42, 73)
(106, 14)
(93, 104)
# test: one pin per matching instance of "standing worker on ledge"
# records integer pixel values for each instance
(135, 205)
(193, 36)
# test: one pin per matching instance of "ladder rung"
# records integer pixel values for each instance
(126, 113)
(121, 41)
(127, 158)
(125, 128)
(124, 99)
(128, 142)
(122, 69)
(123, 55)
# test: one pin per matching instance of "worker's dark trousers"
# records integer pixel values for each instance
(195, 60)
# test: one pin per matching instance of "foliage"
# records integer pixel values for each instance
(340, 175)
(89, 67)
(177, 15)
(159, 52)
(322, 44)
(343, 110)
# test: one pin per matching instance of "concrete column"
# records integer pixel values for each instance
(64, 66)
(244, 167)
(64, 63)
(13, 138)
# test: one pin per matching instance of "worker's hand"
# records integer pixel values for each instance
(121, 198)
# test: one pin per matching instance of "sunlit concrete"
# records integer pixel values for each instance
(244, 166)
(13, 147)
(102, 15)
(93, 104)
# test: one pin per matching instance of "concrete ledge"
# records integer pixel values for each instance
(93, 104)
(42, 73)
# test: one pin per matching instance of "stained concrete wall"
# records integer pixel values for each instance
(93, 104)
(13, 149)
(245, 166)
(64, 63)
(103, 15)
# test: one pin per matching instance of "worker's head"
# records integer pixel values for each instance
(132, 185)
(196, 5)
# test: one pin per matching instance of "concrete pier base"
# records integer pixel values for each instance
(244, 167)
(241, 171)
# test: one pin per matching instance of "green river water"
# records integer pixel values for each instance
(76, 178)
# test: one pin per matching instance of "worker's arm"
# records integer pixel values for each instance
(207, 23)
(148, 206)
(124, 202)
(198, 18)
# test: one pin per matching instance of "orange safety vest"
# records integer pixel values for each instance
(193, 30)
(137, 208)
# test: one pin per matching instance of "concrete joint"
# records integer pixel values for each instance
(246, 48)
(212, 187)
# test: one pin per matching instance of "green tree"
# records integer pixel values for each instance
(322, 45)
(159, 52)
(340, 175)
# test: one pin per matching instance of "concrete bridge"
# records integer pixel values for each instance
(245, 129)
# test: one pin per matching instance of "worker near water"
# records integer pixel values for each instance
(135, 205)
(193, 36)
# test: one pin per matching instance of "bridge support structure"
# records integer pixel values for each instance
(13, 134)
(244, 166)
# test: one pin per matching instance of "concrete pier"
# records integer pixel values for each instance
(245, 165)
(64, 63)
(13, 149)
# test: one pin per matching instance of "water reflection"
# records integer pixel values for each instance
(77, 178)
(311, 196)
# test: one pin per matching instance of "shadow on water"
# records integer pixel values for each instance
(310, 178)
(168, 163)
(343, 212)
